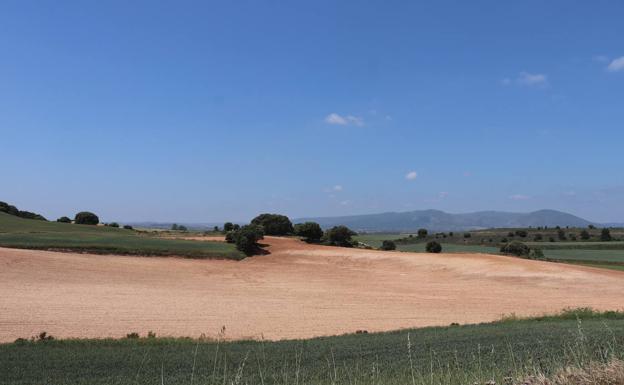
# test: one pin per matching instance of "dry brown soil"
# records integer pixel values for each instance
(297, 291)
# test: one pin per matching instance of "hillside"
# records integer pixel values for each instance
(435, 220)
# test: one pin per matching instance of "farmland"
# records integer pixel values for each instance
(440, 355)
(17, 232)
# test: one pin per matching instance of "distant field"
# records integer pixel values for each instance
(33, 234)
(439, 355)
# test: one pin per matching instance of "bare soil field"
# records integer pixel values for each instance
(296, 291)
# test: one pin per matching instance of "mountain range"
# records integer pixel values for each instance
(436, 220)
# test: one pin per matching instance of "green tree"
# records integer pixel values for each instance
(340, 236)
(605, 235)
(174, 227)
(433, 247)
(274, 224)
(64, 220)
(585, 235)
(515, 248)
(86, 218)
(246, 238)
(228, 226)
(113, 224)
(561, 235)
(387, 245)
(310, 231)
(422, 233)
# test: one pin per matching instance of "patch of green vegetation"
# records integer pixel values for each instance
(33, 234)
(471, 354)
(450, 248)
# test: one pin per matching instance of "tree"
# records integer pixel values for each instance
(422, 233)
(521, 233)
(388, 245)
(174, 227)
(561, 235)
(228, 226)
(537, 237)
(274, 224)
(605, 235)
(585, 235)
(7, 208)
(340, 236)
(113, 224)
(128, 227)
(433, 247)
(215, 229)
(467, 235)
(182, 228)
(246, 238)
(64, 220)
(86, 218)
(310, 231)
(515, 248)
(591, 227)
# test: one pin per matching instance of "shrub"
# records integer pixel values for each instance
(515, 248)
(151, 334)
(467, 235)
(44, 336)
(113, 224)
(133, 335)
(605, 235)
(64, 220)
(246, 238)
(182, 228)
(521, 233)
(86, 218)
(510, 234)
(388, 245)
(174, 227)
(585, 235)
(274, 224)
(311, 231)
(128, 227)
(561, 235)
(29, 215)
(340, 236)
(422, 233)
(538, 237)
(536, 254)
(7, 208)
(228, 226)
(433, 247)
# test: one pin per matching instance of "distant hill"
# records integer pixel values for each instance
(435, 220)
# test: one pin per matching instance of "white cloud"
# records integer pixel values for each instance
(519, 197)
(529, 79)
(337, 188)
(411, 175)
(616, 65)
(340, 120)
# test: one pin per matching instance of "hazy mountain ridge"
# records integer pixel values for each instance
(436, 220)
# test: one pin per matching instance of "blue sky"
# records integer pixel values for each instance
(213, 111)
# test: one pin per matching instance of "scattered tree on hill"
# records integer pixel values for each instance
(467, 235)
(64, 220)
(591, 227)
(86, 218)
(585, 235)
(174, 227)
(310, 231)
(12, 210)
(605, 235)
(228, 226)
(388, 245)
(215, 229)
(561, 235)
(128, 227)
(422, 233)
(340, 236)
(521, 233)
(433, 247)
(538, 237)
(29, 215)
(246, 238)
(274, 224)
(113, 224)
(182, 228)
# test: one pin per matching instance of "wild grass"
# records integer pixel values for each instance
(509, 351)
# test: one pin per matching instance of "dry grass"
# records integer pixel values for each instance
(611, 373)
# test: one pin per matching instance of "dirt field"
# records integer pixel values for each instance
(298, 290)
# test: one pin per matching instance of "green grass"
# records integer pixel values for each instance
(32, 234)
(440, 355)
(375, 239)
(451, 248)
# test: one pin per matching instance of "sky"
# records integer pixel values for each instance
(212, 111)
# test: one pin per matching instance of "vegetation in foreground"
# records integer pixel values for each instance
(504, 351)
(17, 232)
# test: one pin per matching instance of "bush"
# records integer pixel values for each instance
(585, 235)
(538, 237)
(64, 220)
(86, 218)
(605, 235)
(422, 233)
(521, 233)
(29, 215)
(128, 227)
(467, 235)
(133, 335)
(113, 224)
(536, 254)
(340, 236)
(388, 245)
(516, 248)
(7, 208)
(310, 231)
(246, 238)
(433, 247)
(561, 235)
(274, 224)
(228, 226)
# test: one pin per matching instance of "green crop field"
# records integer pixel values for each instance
(439, 355)
(33, 234)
